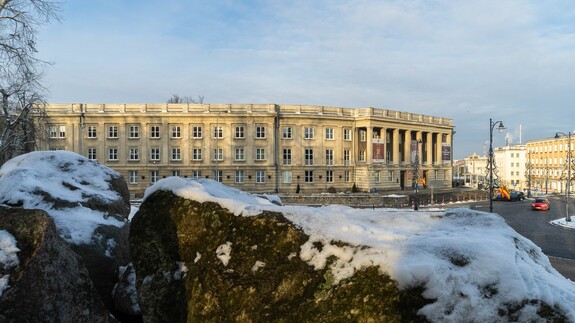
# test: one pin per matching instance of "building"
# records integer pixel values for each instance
(547, 164)
(511, 165)
(258, 148)
(475, 170)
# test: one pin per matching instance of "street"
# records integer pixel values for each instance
(556, 242)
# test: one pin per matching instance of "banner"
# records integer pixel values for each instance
(413, 151)
(445, 153)
(378, 150)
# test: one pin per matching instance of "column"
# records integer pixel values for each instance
(407, 148)
(369, 149)
(429, 148)
(438, 152)
(395, 146)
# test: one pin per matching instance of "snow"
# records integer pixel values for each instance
(64, 175)
(8, 257)
(459, 255)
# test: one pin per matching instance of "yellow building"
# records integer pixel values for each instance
(264, 148)
(547, 164)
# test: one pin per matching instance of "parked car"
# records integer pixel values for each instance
(516, 195)
(541, 204)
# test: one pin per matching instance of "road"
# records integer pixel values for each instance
(556, 242)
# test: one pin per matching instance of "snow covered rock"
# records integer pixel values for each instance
(50, 282)
(88, 202)
(206, 252)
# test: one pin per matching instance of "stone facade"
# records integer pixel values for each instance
(265, 148)
(547, 164)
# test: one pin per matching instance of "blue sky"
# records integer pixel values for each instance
(470, 61)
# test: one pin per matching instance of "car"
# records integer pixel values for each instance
(541, 204)
(516, 195)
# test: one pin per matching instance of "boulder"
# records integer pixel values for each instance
(181, 251)
(50, 282)
(89, 203)
(206, 252)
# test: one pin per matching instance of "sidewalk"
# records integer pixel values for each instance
(562, 223)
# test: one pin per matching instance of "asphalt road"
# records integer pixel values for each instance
(556, 242)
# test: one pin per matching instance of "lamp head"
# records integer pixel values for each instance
(556, 135)
(501, 127)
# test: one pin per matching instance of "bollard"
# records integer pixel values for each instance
(442, 203)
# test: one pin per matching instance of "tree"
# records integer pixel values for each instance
(20, 73)
(185, 99)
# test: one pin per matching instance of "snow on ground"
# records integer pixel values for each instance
(66, 176)
(8, 257)
(459, 254)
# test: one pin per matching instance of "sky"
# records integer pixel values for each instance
(412, 247)
(470, 61)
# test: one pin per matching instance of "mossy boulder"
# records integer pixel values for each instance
(199, 262)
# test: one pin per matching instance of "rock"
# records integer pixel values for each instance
(89, 203)
(186, 272)
(125, 293)
(51, 282)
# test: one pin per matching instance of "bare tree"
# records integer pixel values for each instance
(20, 73)
(185, 99)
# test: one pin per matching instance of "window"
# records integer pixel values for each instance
(287, 156)
(218, 154)
(155, 132)
(176, 173)
(197, 132)
(260, 176)
(92, 132)
(133, 177)
(113, 154)
(58, 132)
(196, 174)
(361, 156)
(308, 176)
(239, 154)
(329, 156)
(260, 132)
(176, 153)
(346, 156)
(176, 132)
(329, 176)
(134, 154)
(153, 176)
(239, 176)
(92, 153)
(260, 154)
(390, 176)
(287, 133)
(377, 176)
(362, 135)
(218, 132)
(347, 134)
(134, 132)
(197, 154)
(218, 174)
(346, 176)
(112, 132)
(328, 133)
(308, 133)
(308, 156)
(155, 153)
(240, 132)
(286, 176)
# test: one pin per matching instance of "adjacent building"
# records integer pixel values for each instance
(266, 148)
(548, 164)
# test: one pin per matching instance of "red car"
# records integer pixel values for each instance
(540, 204)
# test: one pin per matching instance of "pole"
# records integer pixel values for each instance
(216, 153)
(490, 161)
(568, 190)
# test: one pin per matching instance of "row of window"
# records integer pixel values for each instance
(59, 132)
(218, 154)
(240, 176)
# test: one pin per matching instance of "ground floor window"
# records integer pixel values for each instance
(133, 177)
(286, 176)
(308, 176)
(329, 176)
(153, 176)
(260, 176)
(347, 176)
(239, 176)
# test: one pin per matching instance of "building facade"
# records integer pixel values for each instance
(264, 148)
(511, 165)
(548, 164)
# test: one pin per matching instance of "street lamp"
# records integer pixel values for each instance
(529, 166)
(415, 175)
(568, 189)
(490, 160)
(217, 133)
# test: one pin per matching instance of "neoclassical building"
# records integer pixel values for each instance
(262, 148)
(547, 164)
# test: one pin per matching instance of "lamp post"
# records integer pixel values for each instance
(529, 166)
(490, 160)
(216, 152)
(568, 189)
(415, 175)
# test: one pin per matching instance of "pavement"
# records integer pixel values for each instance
(562, 222)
